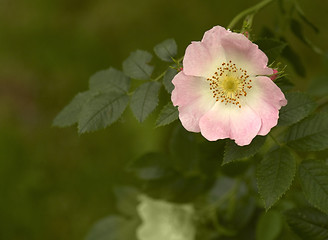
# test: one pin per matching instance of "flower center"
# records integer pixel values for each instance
(230, 84)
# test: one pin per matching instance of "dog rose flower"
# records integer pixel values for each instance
(224, 90)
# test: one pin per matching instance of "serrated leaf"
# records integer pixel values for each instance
(102, 111)
(70, 114)
(136, 65)
(168, 114)
(308, 223)
(166, 50)
(126, 200)
(275, 175)
(271, 47)
(114, 228)
(269, 226)
(298, 107)
(167, 80)
(313, 176)
(233, 152)
(109, 80)
(311, 134)
(144, 100)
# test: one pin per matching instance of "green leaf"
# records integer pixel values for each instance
(168, 114)
(313, 176)
(298, 107)
(269, 226)
(308, 223)
(311, 134)
(144, 100)
(233, 152)
(102, 111)
(126, 200)
(70, 114)
(136, 65)
(114, 228)
(166, 50)
(271, 47)
(275, 175)
(167, 80)
(109, 80)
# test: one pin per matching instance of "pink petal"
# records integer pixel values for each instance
(190, 114)
(266, 99)
(188, 88)
(197, 60)
(193, 96)
(212, 41)
(229, 121)
(245, 54)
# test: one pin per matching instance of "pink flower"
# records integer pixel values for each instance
(223, 90)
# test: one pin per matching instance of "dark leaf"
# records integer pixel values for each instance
(166, 50)
(144, 100)
(101, 111)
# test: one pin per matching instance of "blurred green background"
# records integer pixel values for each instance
(55, 184)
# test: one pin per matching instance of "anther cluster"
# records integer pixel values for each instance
(229, 84)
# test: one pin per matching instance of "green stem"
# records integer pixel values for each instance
(160, 76)
(248, 11)
(163, 73)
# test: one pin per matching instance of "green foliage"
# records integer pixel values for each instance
(313, 176)
(299, 106)
(70, 114)
(311, 134)
(168, 114)
(166, 50)
(136, 65)
(269, 226)
(113, 228)
(192, 170)
(101, 111)
(275, 175)
(308, 223)
(167, 80)
(109, 80)
(144, 100)
(271, 47)
(233, 152)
